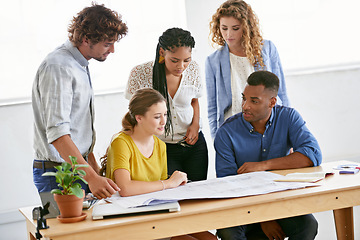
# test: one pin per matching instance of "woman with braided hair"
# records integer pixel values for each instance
(177, 78)
(235, 28)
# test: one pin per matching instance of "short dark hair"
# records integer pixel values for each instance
(97, 23)
(268, 79)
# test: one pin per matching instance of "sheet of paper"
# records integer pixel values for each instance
(304, 177)
(242, 185)
(347, 166)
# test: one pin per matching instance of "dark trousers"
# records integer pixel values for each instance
(303, 227)
(191, 160)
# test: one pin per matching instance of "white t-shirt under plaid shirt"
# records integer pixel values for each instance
(180, 106)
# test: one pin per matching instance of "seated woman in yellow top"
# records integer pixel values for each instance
(136, 158)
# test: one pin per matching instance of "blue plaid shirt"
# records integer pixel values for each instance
(62, 101)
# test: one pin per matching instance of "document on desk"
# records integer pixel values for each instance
(304, 177)
(248, 184)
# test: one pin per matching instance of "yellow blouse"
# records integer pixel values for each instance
(124, 154)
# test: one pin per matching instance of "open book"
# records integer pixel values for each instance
(304, 177)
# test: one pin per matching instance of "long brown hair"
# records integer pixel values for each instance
(139, 104)
(252, 40)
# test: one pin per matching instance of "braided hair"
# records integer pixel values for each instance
(169, 40)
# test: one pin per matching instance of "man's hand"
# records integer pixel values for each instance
(102, 187)
(252, 167)
(273, 230)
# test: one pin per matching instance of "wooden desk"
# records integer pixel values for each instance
(338, 193)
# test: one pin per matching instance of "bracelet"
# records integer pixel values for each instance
(163, 184)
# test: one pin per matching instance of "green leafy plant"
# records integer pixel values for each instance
(66, 176)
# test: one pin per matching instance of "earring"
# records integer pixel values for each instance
(161, 59)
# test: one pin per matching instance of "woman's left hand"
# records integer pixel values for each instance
(192, 134)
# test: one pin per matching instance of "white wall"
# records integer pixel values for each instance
(329, 102)
(307, 33)
(39, 26)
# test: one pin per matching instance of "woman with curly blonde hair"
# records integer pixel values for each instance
(235, 28)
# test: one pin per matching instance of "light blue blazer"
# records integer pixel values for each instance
(218, 81)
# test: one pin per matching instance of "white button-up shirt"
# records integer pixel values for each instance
(180, 106)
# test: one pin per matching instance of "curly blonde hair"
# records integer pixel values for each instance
(252, 40)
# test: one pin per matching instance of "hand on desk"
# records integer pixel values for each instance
(251, 167)
(273, 230)
(177, 178)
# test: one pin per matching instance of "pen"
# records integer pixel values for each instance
(92, 203)
(353, 171)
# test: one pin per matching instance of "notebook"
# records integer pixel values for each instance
(110, 210)
(311, 177)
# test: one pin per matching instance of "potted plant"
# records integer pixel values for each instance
(70, 197)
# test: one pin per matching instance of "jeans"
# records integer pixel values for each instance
(191, 160)
(296, 228)
(47, 183)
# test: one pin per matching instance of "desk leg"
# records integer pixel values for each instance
(344, 223)
(29, 226)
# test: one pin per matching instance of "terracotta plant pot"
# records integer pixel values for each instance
(69, 205)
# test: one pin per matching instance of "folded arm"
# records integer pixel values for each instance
(293, 160)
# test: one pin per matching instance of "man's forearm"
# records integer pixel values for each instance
(92, 162)
(66, 147)
(293, 160)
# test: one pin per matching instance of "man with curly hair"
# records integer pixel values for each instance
(63, 99)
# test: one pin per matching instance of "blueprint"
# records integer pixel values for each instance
(248, 184)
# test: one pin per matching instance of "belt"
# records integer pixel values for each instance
(45, 164)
